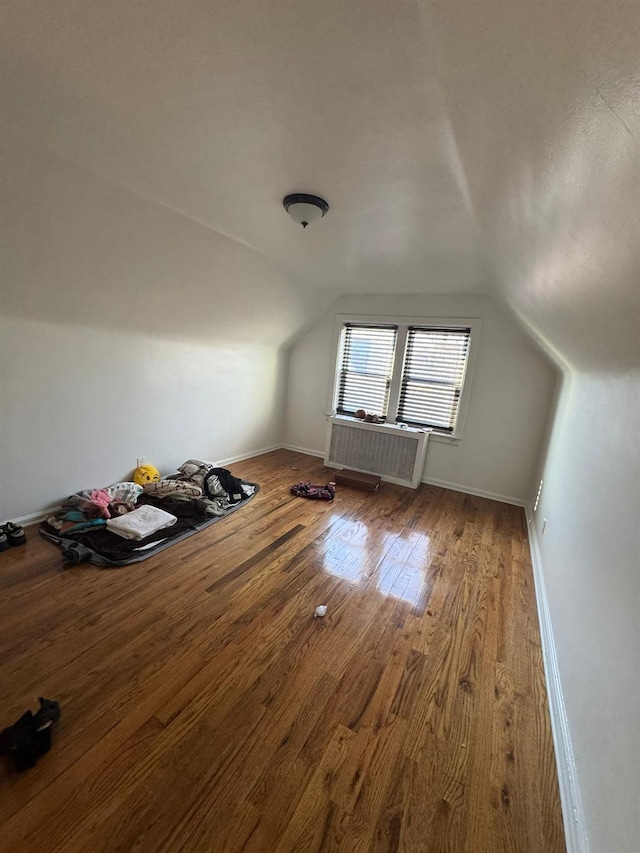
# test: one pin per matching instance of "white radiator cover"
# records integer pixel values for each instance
(395, 454)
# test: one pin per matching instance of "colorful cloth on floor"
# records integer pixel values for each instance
(313, 492)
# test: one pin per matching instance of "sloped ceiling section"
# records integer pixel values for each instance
(462, 146)
(544, 101)
(78, 249)
(217, 109)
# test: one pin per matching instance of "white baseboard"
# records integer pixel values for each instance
(306, 450)
(575, 829)
(242, 456)
(480, 493)
(34, 517)
(444, 484)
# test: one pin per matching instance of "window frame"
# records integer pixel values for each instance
(340, 360)
(403, 323)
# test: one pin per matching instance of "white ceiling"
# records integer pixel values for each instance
(461, 145)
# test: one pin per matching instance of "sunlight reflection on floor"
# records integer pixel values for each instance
(397, 564)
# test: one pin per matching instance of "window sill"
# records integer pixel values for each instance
(444, 438)
(384, 426)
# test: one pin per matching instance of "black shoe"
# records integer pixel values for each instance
(30, 737)
(44, 719)
(20, 742)
(75, 553)
(14, 533)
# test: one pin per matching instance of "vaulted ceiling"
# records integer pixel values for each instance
(462, 146)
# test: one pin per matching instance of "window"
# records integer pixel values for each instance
(366, 365)
(410, 372)
(434, 367)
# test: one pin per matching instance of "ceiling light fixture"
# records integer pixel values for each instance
(304, 208)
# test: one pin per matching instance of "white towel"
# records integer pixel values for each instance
(141, 522)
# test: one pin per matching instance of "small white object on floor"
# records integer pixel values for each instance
(320, 610)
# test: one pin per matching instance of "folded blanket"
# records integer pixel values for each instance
(165, 487)
(195, 470)
(141, 522)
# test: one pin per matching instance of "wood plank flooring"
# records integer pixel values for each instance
(205, 709)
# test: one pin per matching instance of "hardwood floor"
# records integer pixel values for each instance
(205, 709)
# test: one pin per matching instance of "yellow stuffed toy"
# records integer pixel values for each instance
(146, 474)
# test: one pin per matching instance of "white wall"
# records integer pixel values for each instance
(511, 393)
(126, 330)
(591, 561)
(79, 405)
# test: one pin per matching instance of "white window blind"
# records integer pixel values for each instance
(365, 368)
(433, 375)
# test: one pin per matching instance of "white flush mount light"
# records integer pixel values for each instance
(304, 208)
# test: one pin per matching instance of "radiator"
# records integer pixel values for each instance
(395, 454)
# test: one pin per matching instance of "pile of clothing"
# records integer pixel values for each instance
(313, 492)
(93, 507)
(215, 489)
(117, 520)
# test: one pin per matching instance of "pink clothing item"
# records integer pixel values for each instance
(101, 498)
